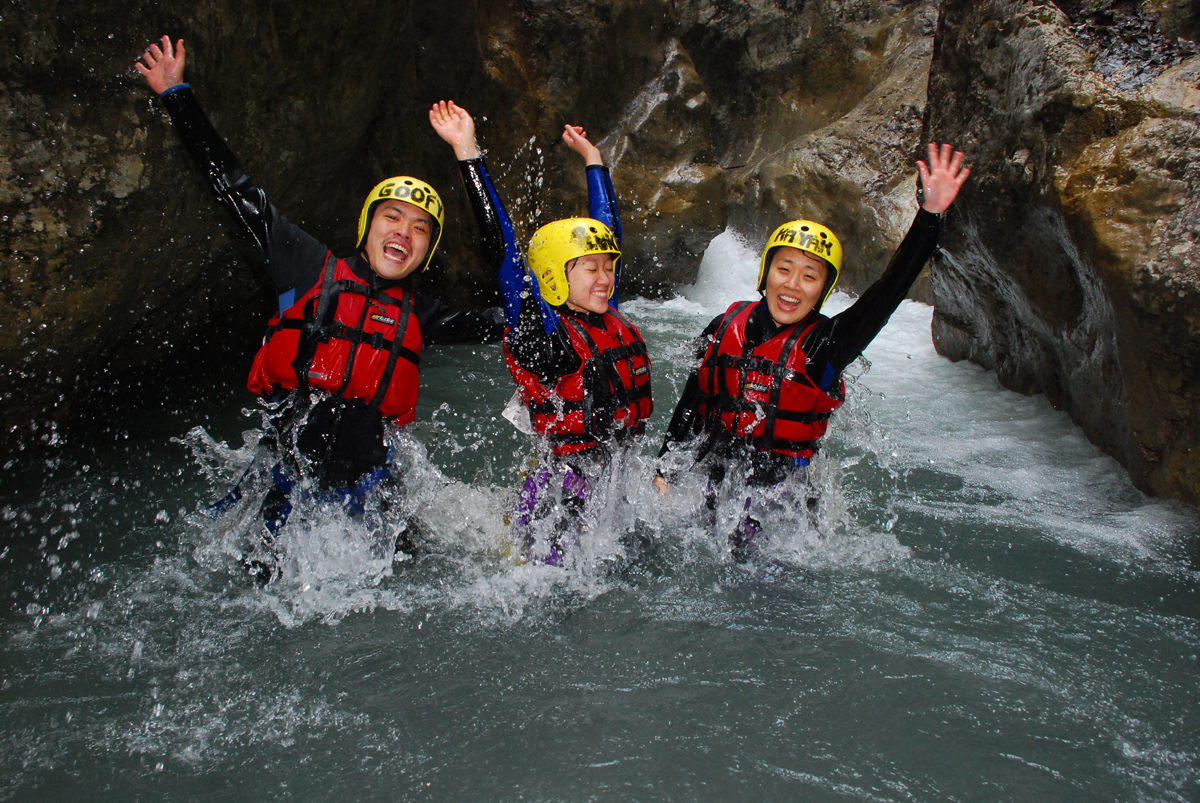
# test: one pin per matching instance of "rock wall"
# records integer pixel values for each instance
(831, 127)
(116, 258)
(1072, 267)
(1069, 267)
(708, 110)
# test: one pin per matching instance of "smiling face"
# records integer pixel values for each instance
(795, 283)
(590, 281)
(398, 239)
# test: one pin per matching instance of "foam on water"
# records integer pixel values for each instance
(728, 272)
(955, 418)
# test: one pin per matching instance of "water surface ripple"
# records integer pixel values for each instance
(987, 610)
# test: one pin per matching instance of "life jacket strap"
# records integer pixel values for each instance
(397, 350)
(781, 362)
(306, 349)
(609, 392)
(720, 376)
(730, 404)
(554, 406)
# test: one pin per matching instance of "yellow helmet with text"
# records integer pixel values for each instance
(806, 236)
(557, 243)
(409, 190)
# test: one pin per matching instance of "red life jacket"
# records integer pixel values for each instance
(608, 397)
(762, 396)
(348, 340)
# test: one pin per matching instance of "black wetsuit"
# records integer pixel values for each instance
(295, 261)
(832, 344)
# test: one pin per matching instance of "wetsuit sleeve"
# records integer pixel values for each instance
(442, 325)
(537, 340)
(838, 341)
(602, 206)
(500, 246)
(547, 356)
(294, 258)
(684, 424)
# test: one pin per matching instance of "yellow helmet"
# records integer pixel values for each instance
(806, 236)
(410, 190)
(557, 243)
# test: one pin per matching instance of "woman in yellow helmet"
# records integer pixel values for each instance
(361, 368)
(582, 371)
(769, 374)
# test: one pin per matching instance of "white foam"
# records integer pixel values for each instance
(728, 273)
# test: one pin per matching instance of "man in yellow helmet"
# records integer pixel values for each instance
(349, 331)
(769, 374)
(581, 368)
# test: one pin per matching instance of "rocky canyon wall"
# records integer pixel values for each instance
(1069, 264)
(1073, 268)
(116, 258)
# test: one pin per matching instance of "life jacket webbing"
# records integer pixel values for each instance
(355, 339)
(375, 340)
(609, 392)
(721, 376)
(777, 372)
(723, 401)
(306, 348)
(635, 349)
(314, 330)
(763, 366)
(769, 444)
(607, 359)
(397, 350)
(566, 406)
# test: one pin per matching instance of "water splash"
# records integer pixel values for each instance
(980, 588)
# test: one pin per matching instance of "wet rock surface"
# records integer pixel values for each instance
(841, 146)
(1128, 46)
(1071, 265)
(117, 260)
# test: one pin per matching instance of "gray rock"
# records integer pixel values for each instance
(1071, 266)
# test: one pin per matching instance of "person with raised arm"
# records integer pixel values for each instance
(768, 373)
(581, 368)
(341, 356)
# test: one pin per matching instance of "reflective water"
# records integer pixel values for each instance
(987, 610)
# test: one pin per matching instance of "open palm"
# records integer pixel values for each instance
(942, 178)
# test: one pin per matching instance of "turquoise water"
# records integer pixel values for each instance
(987, 610)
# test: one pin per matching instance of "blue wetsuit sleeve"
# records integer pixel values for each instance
(602, 201)
(602, 206)
(500, 247)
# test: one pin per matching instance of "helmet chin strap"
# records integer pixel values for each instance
(830, 280)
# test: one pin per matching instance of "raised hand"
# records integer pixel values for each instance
(453, 124)
(163, 66)
(576, 139)
(942, 178)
